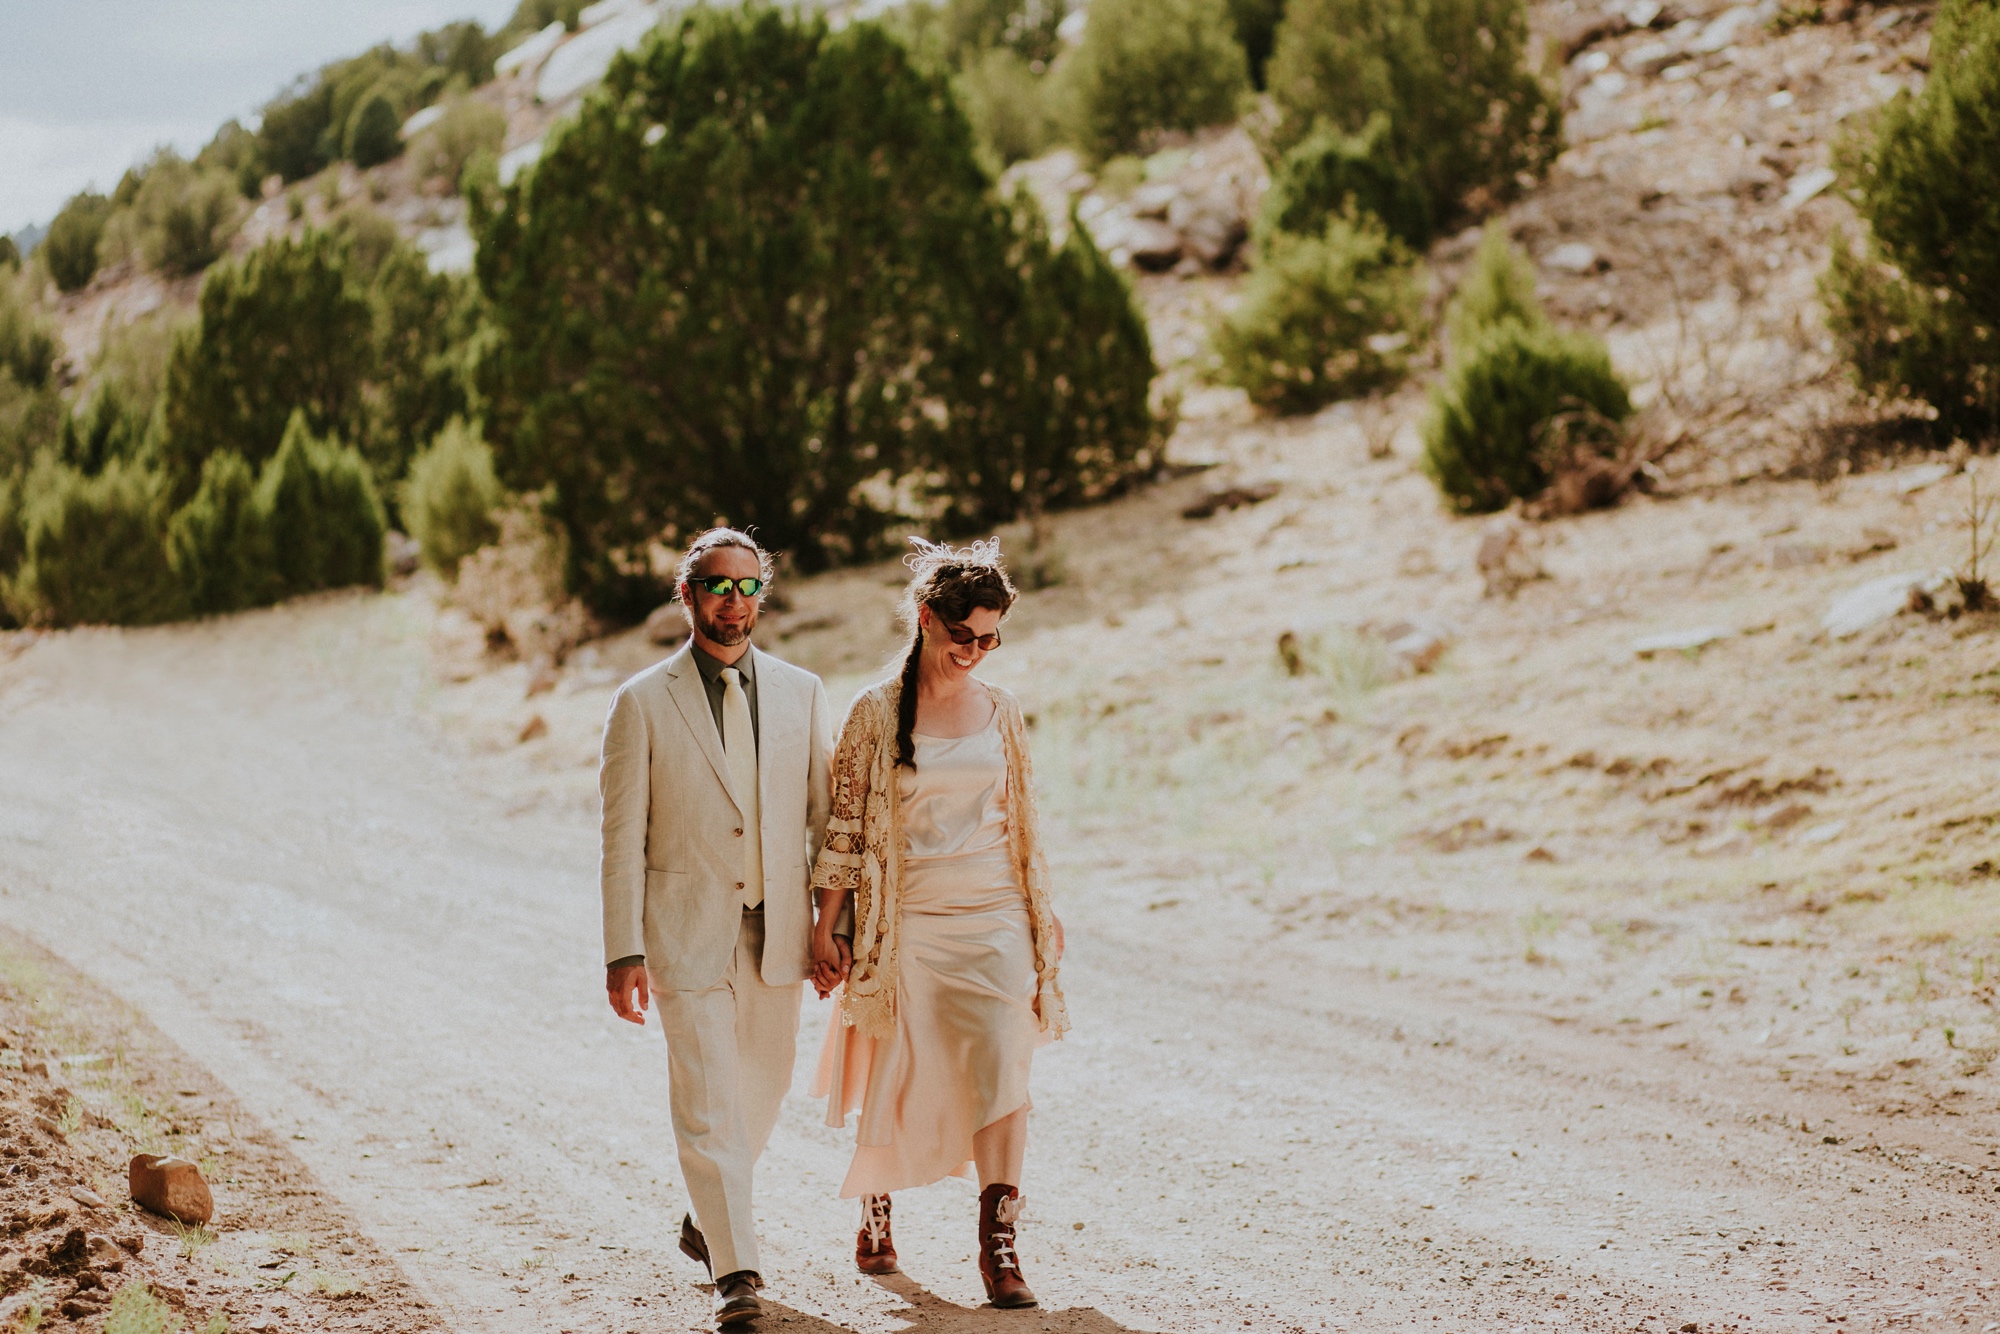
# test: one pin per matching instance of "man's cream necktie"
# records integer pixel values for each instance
(739, 744)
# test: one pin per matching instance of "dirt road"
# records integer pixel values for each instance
(269, 835)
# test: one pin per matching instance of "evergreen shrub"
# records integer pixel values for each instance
(1051, 399)
(31, 399)
(1520, 398)
(373, 131)
(367, 236)
(1329, 173)
(1907, 341)
(1023, 27)
(761, 278)
(462, 52)
(469, 126)
(286, 328)
(1918, 314)
(233, 151)
(1512, 402)
(1500, 286)
(134, 355)
(952, 34)
(318, 504)
(426, 332)
(28, 342)
(1323, 317)
(30, 422)
(292, 132)
(72, 241)
(13, 535)
(1008, 105)
(118, 418)
(184, 214)
(354, 108)
(108, 425)
(1149, 65)
(531, 16)
(220, 543)
(1465, 114)
(450, 496)
(93, 550)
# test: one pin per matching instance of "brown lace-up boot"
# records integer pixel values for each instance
(874, 1248)
(999, 1266)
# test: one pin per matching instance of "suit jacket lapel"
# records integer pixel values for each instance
(692, 700)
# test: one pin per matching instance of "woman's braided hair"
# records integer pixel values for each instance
(952, 582)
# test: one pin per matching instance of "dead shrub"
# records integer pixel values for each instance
(513, 587)
(1593, 462)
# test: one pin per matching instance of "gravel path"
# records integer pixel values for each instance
(260, 833)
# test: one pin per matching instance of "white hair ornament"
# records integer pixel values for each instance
(932, 556)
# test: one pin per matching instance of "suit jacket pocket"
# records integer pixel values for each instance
(669, 904)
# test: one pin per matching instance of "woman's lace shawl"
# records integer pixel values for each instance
(863, 853)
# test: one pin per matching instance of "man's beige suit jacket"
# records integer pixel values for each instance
(673, 832)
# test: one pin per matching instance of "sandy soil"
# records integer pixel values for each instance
(84, 1084)
(1343, 1060)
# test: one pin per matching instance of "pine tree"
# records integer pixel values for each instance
(94, 550)
(71, 245)
(1150, 65)
(374, 132)
(1917, 312)
(284, 329)
(425, 326)
(1465, 113)
(318, 505)
(220, 543)
(1069, 420)
(748, 283)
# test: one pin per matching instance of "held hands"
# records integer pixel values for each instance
(622, 984)
(833, 959)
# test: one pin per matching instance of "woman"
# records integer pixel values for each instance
(952, 982)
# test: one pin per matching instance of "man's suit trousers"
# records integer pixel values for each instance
(730, 1049)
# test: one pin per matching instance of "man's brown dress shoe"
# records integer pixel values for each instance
(874, 1248)
(736, 1300)
(999, 1266)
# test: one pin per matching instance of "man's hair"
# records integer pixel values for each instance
(714, 539)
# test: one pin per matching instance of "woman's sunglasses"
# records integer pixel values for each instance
(964, 638)
(717, 585)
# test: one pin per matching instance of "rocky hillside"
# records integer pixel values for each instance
(1688, 220)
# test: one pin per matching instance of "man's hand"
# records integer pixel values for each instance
(629, 991)
(833, 959)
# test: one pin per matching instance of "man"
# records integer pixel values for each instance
(714, 781)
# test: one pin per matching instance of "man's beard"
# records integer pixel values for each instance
(725, 636)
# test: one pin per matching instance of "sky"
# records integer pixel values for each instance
(88, 87)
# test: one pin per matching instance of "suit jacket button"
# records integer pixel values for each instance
(739, 833)
(739, 884)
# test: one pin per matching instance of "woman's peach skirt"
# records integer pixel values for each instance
(965, 1031)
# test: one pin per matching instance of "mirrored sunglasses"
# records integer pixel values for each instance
(717, 585)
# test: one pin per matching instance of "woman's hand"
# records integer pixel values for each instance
(1061, 944)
